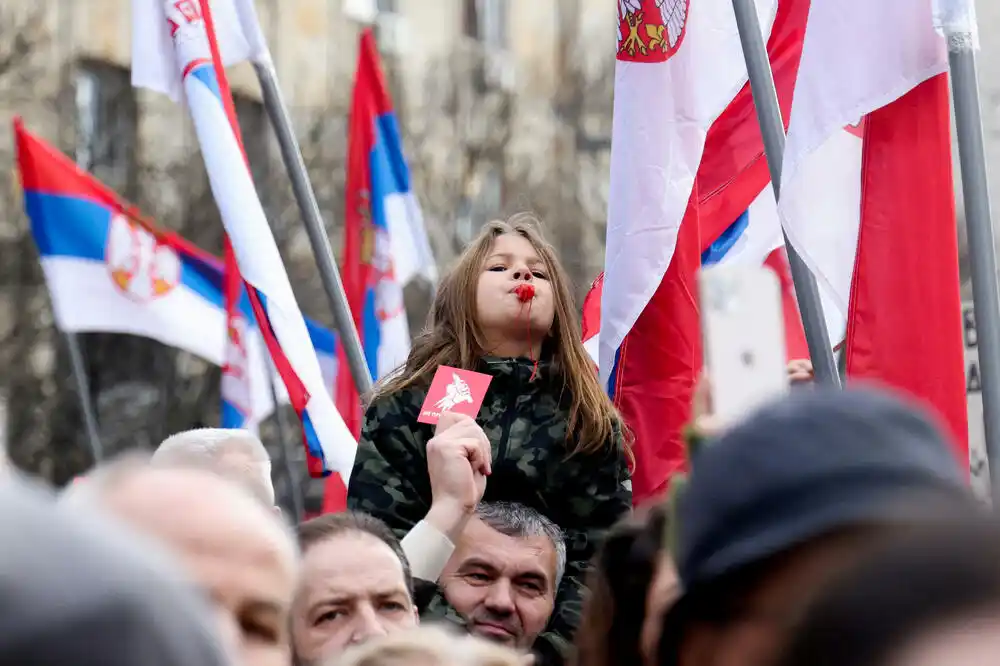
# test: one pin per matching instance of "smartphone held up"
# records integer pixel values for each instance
(743, 336)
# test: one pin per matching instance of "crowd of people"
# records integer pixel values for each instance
(830, 527)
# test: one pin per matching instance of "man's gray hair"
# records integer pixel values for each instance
(520, 521)
(237, 455)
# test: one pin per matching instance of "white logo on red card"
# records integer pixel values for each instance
(454, 390)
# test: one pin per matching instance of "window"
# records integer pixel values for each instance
(86, 118)
(106, 124)
(486, 21)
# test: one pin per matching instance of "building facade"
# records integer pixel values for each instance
(505, 104)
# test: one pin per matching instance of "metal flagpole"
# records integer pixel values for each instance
(956, 20)
(772, 130)
(286, 449)
(291, 154)
(80, 371)
(83, 390)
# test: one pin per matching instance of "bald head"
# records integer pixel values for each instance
(235, 548)
(164, 500)
(237, 455)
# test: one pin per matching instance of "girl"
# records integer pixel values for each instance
(556, 441)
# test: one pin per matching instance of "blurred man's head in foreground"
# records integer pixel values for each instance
(231, 544)
(76, 589)
(927, 598)
(237, 455)
(779, 503)
(428, 646)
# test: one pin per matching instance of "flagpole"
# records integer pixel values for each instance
(83, 391)
(280, 420)
(79, 371)
(772, 130)
(956, 20)
(291, 155)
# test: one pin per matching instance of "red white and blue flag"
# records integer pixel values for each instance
(198, 62)
(109, 270)
(679, 66)
(240, 39)
(385, 242)
(886, 264)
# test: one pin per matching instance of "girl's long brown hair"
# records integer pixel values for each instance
(453, 337)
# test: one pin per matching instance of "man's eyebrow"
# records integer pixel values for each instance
(259, 607)
(477, 563)
(331, 600)
(392, 593)
(533, 576)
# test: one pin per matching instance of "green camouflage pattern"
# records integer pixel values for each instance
(525, 419)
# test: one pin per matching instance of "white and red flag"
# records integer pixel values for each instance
(887, 259)
(679, 66)
(194, 57)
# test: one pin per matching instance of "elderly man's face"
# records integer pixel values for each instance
(233, 547)
(505, 587)
(352, 589)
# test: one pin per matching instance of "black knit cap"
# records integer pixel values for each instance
(818, 461)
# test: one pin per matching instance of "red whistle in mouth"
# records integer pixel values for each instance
(525, 292)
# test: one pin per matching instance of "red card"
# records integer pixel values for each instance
(454, 390)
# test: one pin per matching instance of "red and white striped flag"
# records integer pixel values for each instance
(887, 259)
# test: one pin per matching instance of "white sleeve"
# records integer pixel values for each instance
(428, 551)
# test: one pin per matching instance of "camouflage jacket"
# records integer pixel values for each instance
(526, 422)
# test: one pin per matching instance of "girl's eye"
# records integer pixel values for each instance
(497, 268)
(540, 275)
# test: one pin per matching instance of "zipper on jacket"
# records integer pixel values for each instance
(509, 414)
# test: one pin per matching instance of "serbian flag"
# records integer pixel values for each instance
(890, 263)
(329, 444)
(733, 170)
(237, 31)
(753, 239)
(736, 209)
(237, 385)
(385, 242)
(240, 39)
(110, 270)
(680, 65)
(383, 230)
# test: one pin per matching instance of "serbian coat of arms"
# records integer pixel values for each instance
(140, 266)
(651, 30)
